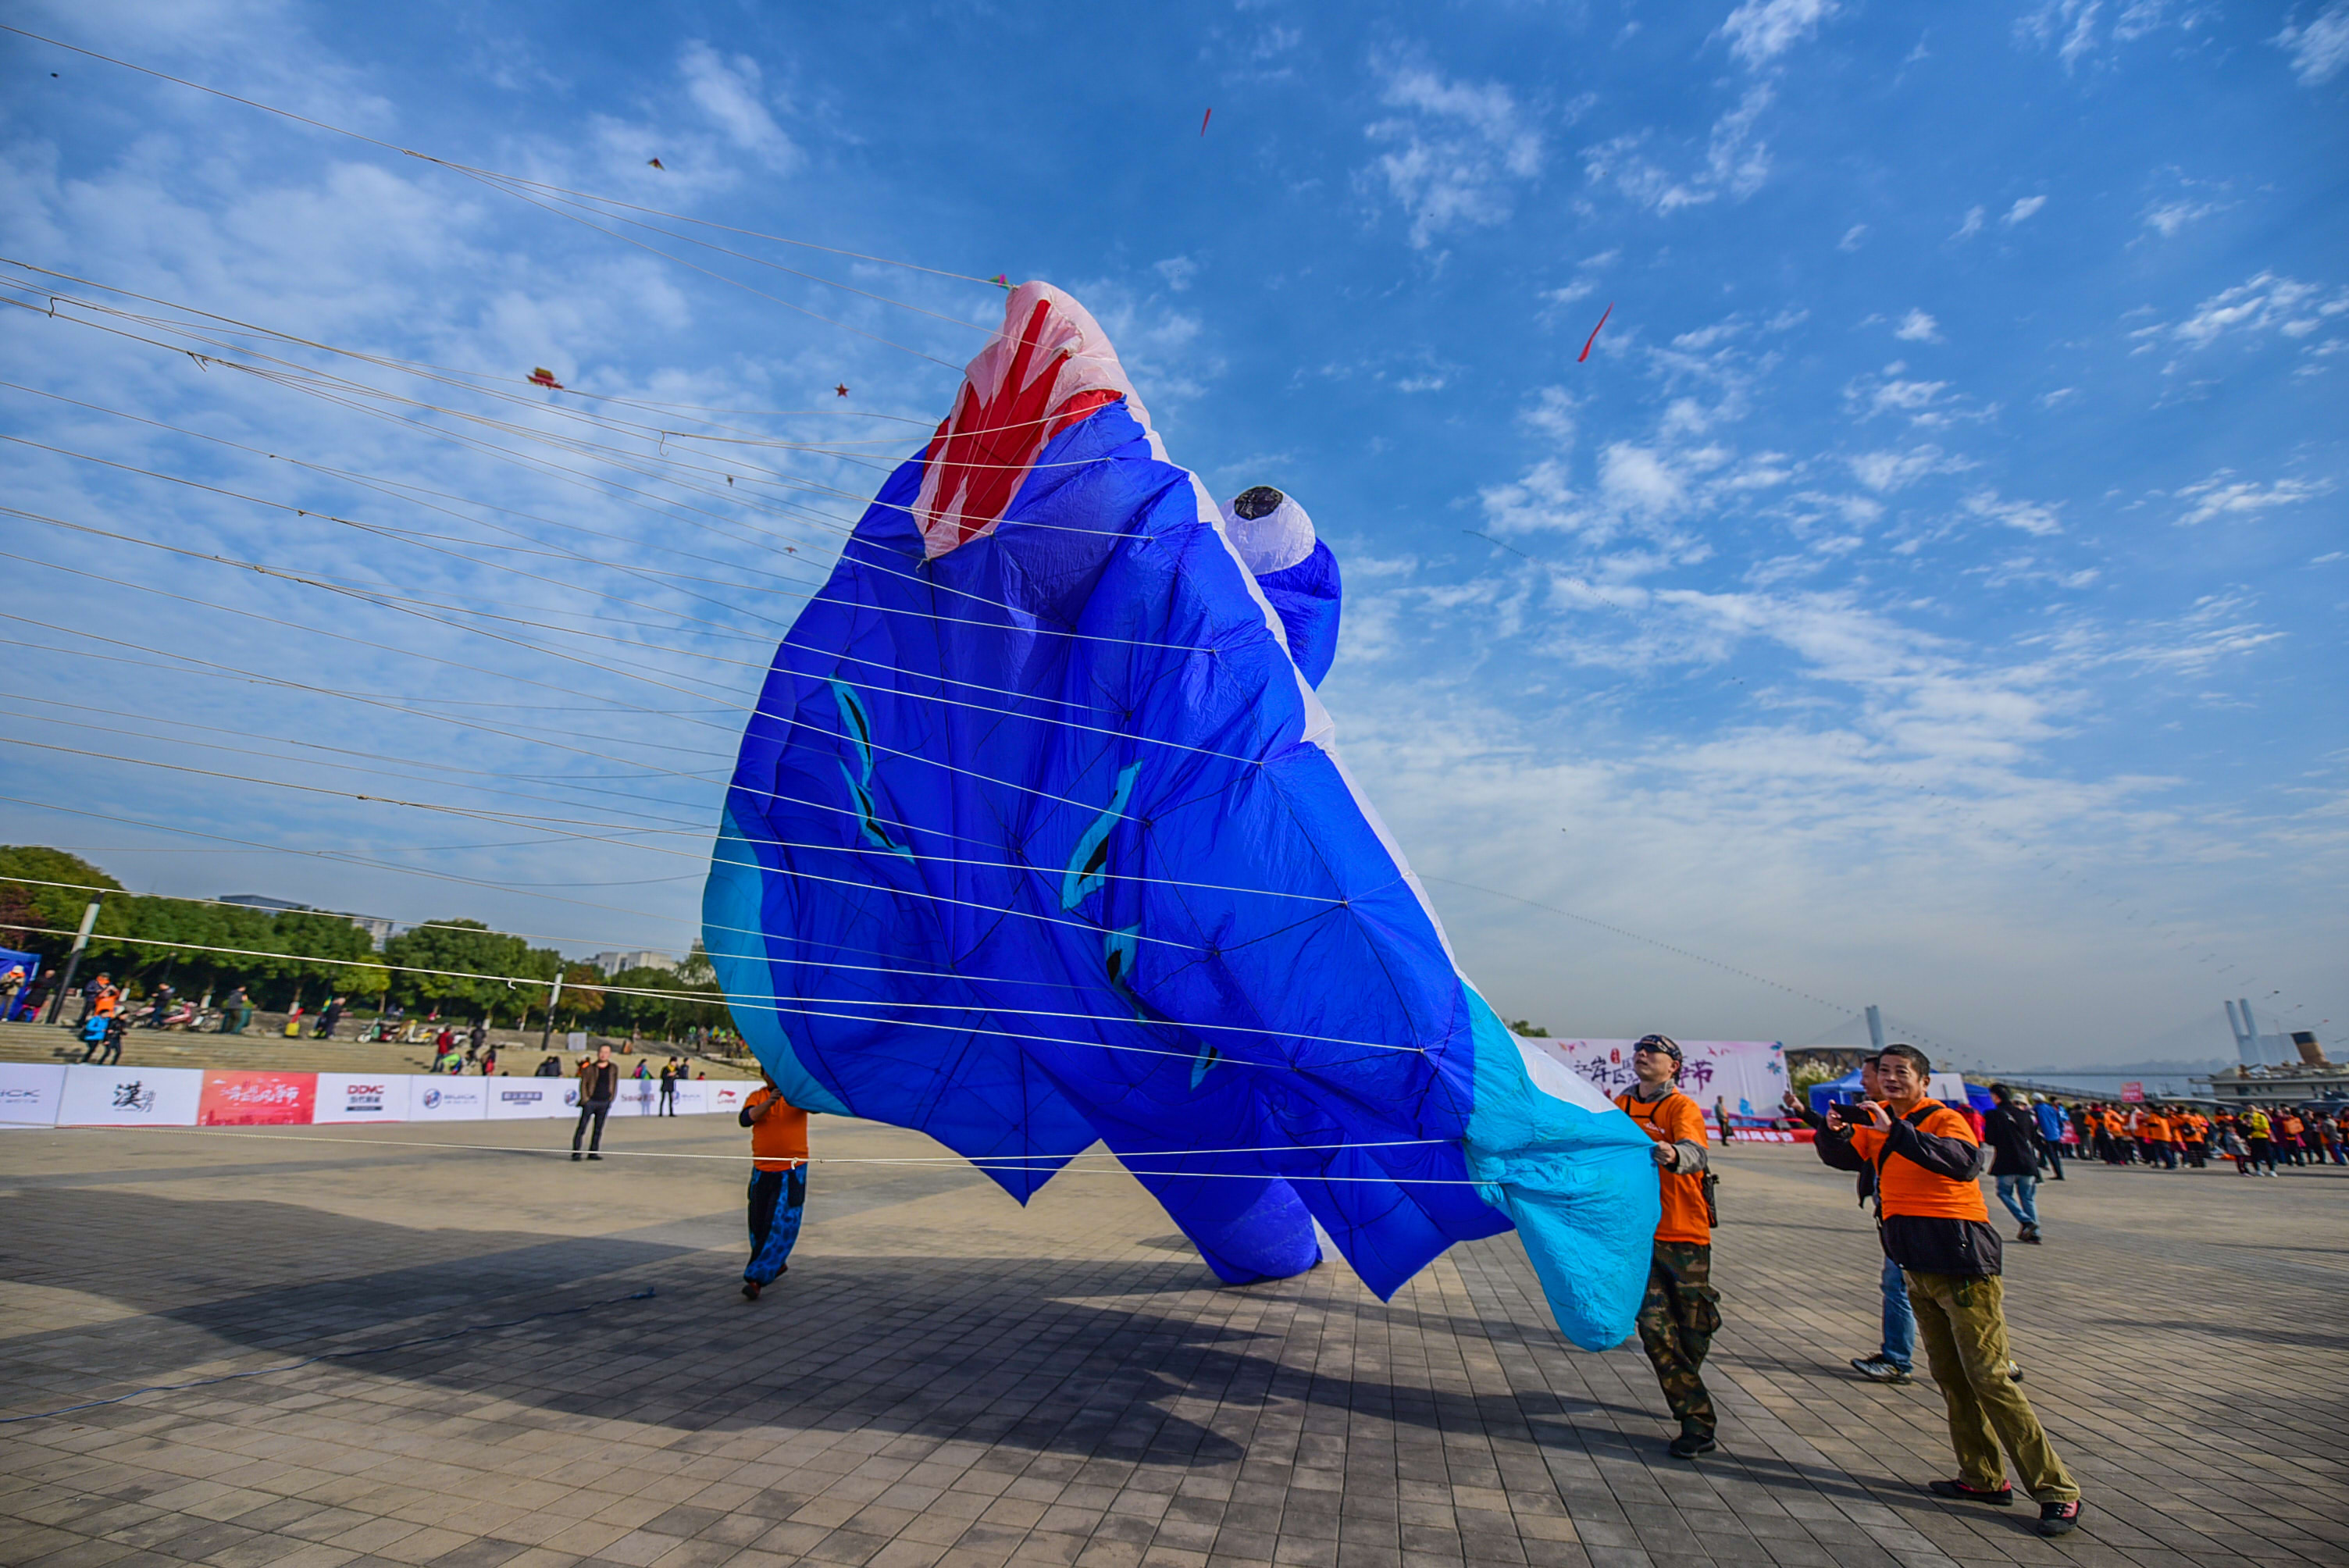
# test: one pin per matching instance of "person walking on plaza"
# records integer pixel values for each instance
(2049, 1119)
(1682, 1311)
(1896, 1357)
(779, 1152)
(1935, 1225)
(599, 1086)
(2260, 1136)
(2014, 1139)
(2289, 1128)
(2232, 1144)
(670, 1070)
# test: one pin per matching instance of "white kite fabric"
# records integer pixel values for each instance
(1139, 901)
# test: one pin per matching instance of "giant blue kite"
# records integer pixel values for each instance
(1038, 837)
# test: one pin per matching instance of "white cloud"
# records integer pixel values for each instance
(2070, 25)
(1459, 150)
(2169, 217)
(1552, 415)
(1759, 31)
(728, 91)
(2264, 301)
(2222, 495)
(1885, 473)
(1579, 289)
(2320, 49)
(1972, 223)
(1918, 327)
(2022, 209)
(1853, 237)
(2032, 517)
(1735, 163)
(1179, 271)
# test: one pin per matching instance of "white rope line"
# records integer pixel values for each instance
(981, 1162)
(811, 1006)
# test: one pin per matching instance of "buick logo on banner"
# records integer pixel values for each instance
(431, 1100)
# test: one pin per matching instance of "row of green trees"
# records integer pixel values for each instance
(459, 968)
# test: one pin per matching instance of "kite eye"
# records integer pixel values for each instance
(1257, 501)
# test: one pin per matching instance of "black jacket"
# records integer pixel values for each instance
(1925, 1243)
(2015, 1139)
(1835, 1152)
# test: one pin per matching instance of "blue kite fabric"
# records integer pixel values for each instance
(1037, 837)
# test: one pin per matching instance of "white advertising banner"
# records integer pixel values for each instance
(526, 1099)
(30, 1092)
(131, 1096)
(360, 1097)
(692, 1099)
(726, 1097)
(637, 1097)
(1748, 1075)
(447, 1098)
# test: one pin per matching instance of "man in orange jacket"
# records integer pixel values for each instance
(778, 1153)
(1681, 1311)
(1935, 1225)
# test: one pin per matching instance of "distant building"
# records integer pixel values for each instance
(378, 927)
(613, 963)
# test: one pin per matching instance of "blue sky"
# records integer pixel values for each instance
(1929, 591)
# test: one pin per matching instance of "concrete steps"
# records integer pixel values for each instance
(517, 1055)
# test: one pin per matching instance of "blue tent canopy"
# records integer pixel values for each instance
(31, 965)
(1844, 1090)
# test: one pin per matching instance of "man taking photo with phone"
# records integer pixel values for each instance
(1935, 1225)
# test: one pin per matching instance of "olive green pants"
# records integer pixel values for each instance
(1963, 1320)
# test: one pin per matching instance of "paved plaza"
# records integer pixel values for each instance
(946, 1378)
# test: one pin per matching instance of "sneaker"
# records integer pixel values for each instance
(1879, 1369)
(577, 1155)
(2059, 1518)
(749, 1289)
(2002, 1497)
(1688, 1445)
(595, 1157)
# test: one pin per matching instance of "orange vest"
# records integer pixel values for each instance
(1673, 1120)
(779, 1139)
(2157, 1129)
(1905, 1187)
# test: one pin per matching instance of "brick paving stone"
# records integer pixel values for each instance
(948, 1380)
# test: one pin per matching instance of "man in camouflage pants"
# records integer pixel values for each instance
(1681, 1311)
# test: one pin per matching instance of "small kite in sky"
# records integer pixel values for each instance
(543, 377)
(840, 391)
(1204, 119)
(656, 164)
(1594, 333)
(999, 281)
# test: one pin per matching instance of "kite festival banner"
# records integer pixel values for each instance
(1747, 1076)
(256, 1099)
(29, 1093)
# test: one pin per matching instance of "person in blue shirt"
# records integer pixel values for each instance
(2051, 1134)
